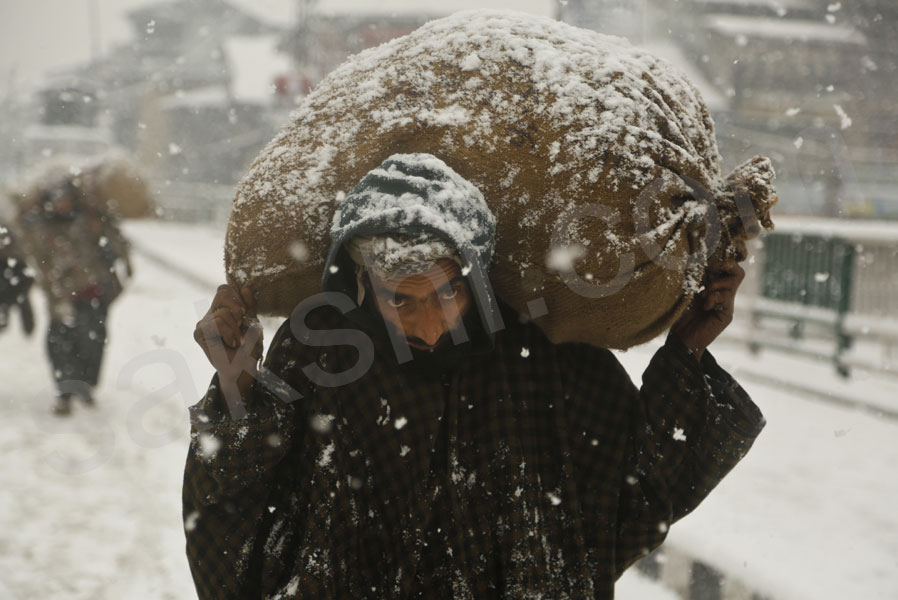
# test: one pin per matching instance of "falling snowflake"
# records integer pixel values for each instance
(209, 445)
(190, 521)
(562, 258)
(299, 251)
(843, 116)
(321, 423)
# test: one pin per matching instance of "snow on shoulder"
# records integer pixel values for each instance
(574, 138)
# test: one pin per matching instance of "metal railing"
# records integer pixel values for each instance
(834, 285)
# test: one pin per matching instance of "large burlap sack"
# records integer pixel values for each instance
(122, 185)
(112, 181)
(598, 160)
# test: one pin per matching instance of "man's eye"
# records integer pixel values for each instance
(395, 302)
(449, 295)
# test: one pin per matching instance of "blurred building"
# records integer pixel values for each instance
(810, 83)
(68, 122)
(322, 41)
(626, 18)
(192, 97)
(193, 94)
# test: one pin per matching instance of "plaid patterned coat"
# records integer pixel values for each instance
(535, 471)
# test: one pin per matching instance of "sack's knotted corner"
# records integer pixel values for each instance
(745, 205)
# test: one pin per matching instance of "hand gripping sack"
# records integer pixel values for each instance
(598, 160)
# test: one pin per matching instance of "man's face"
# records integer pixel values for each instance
(426, 307)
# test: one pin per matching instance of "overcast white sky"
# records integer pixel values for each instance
(41, 35)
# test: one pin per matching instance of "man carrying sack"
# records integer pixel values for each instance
(74, 239)
(410, 435)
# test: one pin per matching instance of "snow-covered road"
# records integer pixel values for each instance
(90, 505)
(810, 513)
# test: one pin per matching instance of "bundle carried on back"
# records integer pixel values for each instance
(112, 180)
(67, 220)
(598, 160)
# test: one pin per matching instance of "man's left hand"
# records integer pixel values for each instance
(711, 310)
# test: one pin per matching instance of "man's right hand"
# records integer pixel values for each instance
(231, 338)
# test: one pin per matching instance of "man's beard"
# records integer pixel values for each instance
(444, 355)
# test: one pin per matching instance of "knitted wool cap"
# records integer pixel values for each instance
(394, 255)
(406, 214)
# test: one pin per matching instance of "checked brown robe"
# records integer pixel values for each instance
(534, 471)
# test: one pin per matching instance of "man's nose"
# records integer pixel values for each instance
(430, 325)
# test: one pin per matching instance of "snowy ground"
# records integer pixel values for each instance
(810, 513)
(90, 506)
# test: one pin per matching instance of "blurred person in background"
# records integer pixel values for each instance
(74, 240)
(15, 282)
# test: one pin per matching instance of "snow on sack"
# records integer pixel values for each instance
(581, 144)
